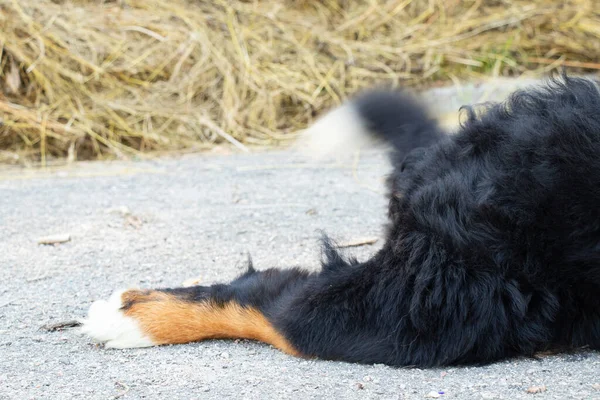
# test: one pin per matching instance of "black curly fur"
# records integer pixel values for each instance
(492, 247)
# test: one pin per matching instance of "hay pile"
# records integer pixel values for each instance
(91, 79)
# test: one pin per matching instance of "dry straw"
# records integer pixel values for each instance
(92, 79)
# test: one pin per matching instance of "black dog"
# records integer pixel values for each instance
(492, 248)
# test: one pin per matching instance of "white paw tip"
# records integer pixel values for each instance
(106, 323)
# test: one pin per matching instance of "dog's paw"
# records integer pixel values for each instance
(107, 323)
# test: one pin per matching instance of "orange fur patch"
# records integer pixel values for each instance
(169, 320)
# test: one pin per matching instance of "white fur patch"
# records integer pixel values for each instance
(107, 324)
(339, 132)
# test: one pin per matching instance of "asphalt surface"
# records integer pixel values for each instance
(160, 223)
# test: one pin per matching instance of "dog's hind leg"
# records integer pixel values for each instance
(142, 318)
(329, 314)
(358, 312)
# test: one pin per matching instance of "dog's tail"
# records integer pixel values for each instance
(392, 116)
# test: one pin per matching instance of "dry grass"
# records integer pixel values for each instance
(88, 79)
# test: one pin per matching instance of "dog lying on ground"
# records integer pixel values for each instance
(492, 248)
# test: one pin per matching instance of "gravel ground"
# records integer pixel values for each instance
(160, 223)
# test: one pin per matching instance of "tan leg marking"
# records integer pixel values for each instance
(169, 320)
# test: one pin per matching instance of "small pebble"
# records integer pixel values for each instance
(536, 389)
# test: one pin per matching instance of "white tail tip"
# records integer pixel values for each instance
(339, 132)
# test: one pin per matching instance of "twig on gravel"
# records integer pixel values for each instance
(55, 239)
(39, 278)
(59, 326)
(250, 168)
(359, 242)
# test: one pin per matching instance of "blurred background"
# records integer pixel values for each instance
(101, 79)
